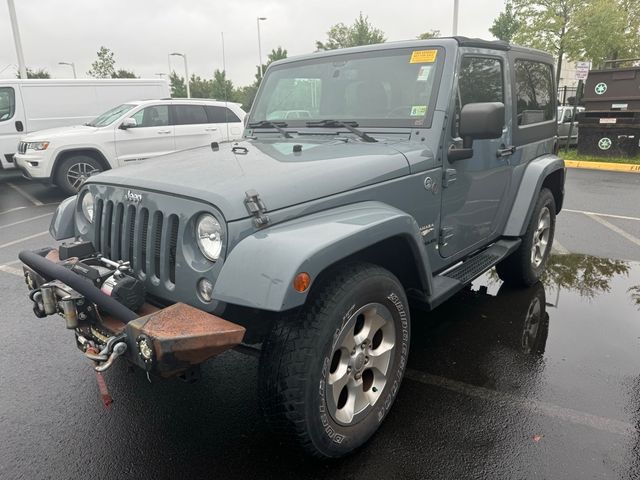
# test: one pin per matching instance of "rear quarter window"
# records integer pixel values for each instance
(221, 115)
(534, 92)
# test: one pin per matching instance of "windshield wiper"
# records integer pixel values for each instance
(267, 124)
(351, 126)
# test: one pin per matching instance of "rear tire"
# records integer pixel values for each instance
(525, 266)
(330, 372)
(74, 171)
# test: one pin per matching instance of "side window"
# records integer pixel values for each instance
(156, 116)
(534, 92)
(220, 115)
(190, 115)
(481, 80)
(7, 103)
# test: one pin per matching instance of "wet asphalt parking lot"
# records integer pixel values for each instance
(535, 383)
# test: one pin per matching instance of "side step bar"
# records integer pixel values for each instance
(450, 282)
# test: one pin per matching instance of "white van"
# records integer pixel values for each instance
(132, 132)
(30, 105)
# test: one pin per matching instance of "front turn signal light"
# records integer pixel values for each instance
(301, 282)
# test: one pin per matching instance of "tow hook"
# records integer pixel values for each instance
(118, 349)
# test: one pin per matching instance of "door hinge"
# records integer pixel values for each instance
(445, 234)
(256, 208)
(449, 177)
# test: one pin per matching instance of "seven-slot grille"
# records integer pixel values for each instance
(22, 147)
(146, 238)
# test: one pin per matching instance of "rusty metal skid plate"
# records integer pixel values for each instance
(183, 336)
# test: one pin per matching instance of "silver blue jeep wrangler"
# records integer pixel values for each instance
(368, 178)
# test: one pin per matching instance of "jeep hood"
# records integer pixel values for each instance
(59, 132)
(281, 176)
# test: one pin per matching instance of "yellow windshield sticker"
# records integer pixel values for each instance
(423, 56)
(418, 110)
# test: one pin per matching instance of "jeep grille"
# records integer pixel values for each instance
(147, 239)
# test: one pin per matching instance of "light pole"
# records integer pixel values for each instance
(258, 19)
(16, 38)
(456, 4)
(72, 65)
(186, 69)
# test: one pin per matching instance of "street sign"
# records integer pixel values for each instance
(582, 70)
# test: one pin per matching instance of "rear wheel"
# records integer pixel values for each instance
(330, 373)
(526, 264)
(74, 171)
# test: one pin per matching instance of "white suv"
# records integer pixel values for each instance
(129, 133)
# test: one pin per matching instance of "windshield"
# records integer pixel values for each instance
(381, 88)
(111, 116)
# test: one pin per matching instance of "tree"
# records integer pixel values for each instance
(200, 87)
(343, 36)
(122, 73)
(221, 88)
(276, 54)
(103, 67)
(429, 34)
(549, 25)
(40, 73)
(178, 86)
(506, 24)
(245, 95)
(606, 31)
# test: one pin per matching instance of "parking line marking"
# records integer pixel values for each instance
(24, 239)
(577, 417)
(12, 210)
(615, 229)
(621, 217)
(25, 220)
(26, 195)
(11, 270)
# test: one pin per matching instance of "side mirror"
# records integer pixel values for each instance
(478, 121)
(128, 123)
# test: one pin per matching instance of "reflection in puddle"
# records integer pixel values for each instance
(572, 340)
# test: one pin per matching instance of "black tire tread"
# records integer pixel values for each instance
(516, 268)
(282, 376)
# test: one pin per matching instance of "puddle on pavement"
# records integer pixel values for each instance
(572, 339)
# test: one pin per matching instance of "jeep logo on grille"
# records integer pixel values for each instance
(133, 197)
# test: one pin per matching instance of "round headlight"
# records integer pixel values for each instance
(87, 206)
(209, 235)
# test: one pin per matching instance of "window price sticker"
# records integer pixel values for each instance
(423, 56)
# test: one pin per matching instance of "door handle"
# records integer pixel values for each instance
(161, 132)
(506, 151)
(212, 129)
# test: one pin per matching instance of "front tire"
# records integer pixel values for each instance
(525, 266)
(330, 373)
(74, 171)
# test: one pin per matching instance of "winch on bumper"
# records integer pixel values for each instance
(103, 302)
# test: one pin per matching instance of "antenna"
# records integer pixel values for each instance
(224, 85)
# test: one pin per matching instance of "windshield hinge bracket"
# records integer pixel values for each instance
(256, 208)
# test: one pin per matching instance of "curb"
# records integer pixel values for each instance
(612, 167)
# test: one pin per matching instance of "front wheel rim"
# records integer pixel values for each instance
(78, 174)
(361, 360)
(541, 236)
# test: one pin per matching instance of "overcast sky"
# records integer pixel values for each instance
(142, 32)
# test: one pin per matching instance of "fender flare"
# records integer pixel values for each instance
(260, 269)
(63, 222)
(534, 176)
